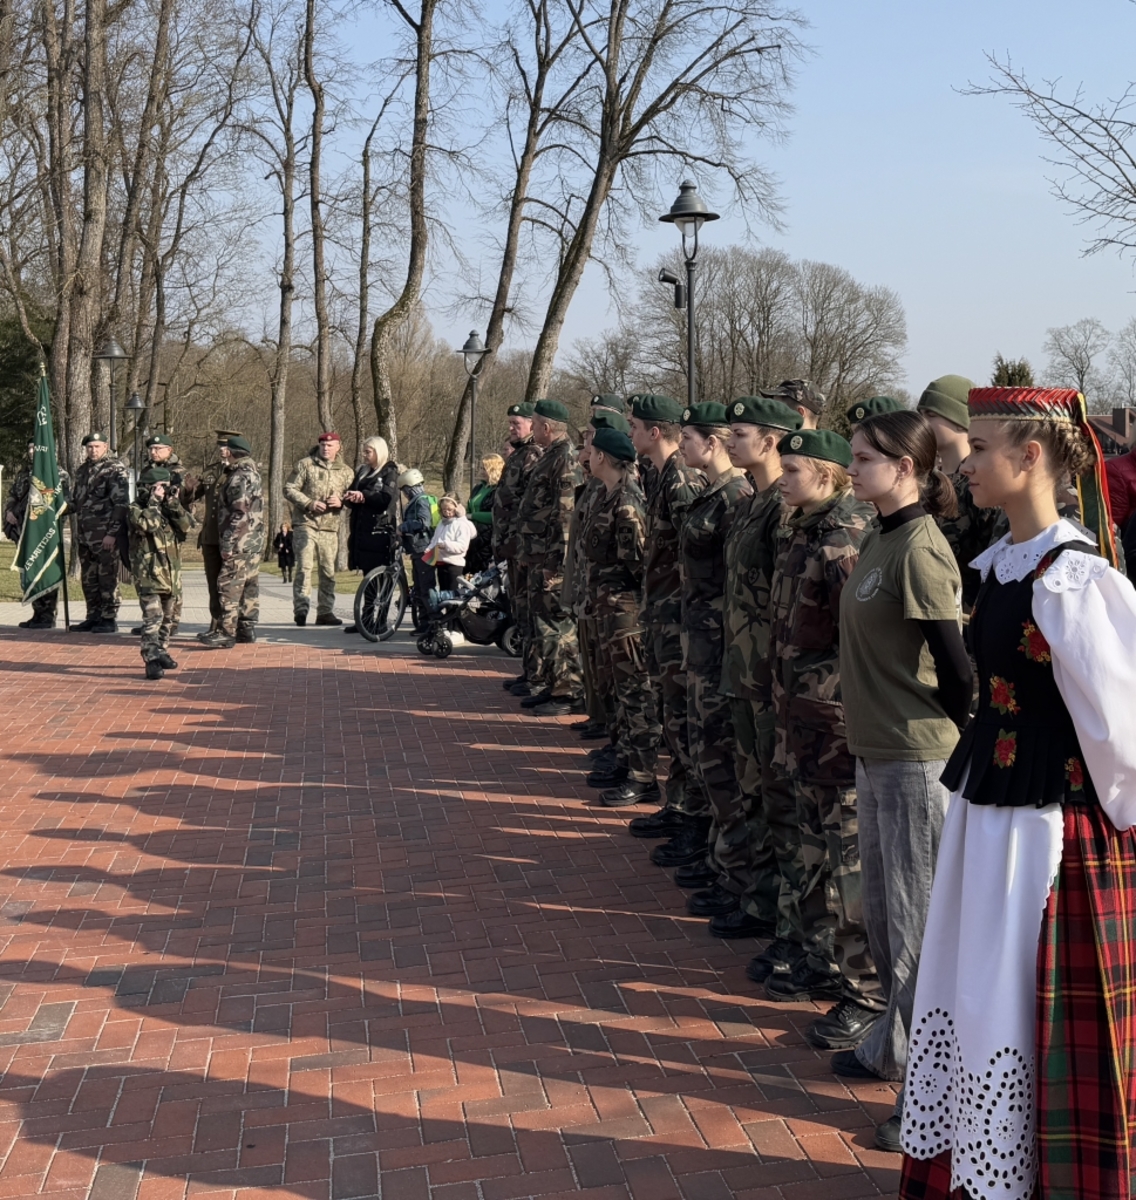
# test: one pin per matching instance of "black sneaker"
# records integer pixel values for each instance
(843, 1027)
(803, 983)
(698, 874)
(630, 792)
(662, 824)
(778, 958)
(687, 846)
(711, 902)
(887, 1136)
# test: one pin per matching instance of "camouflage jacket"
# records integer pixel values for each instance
(314, 479)
(100, 499)
(702, 546)
(572, 594)
(672, 491)
(507, 498)
(204, 487)
(240, 512)
(17, 504)
(547, 505)
(157, 530)
(816, 553)
(617, 532)
(751, 550)
(968, 534)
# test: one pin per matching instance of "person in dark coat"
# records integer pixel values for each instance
(285, 553)
(372, 502)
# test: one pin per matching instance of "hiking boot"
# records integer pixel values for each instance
(105, 625)
(154, 669)
(328, 619)
(843, 1027)
(662, 824)
(778, 958)
(630, 792)
(217, 641)
(165, 662)
(687, 846)
(804, 983)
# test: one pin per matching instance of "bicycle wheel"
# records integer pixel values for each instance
(380, 603)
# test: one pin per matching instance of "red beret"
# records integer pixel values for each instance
(329, 437)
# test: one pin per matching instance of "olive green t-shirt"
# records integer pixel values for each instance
(887, 674)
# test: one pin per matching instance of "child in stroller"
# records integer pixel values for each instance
(478, 609)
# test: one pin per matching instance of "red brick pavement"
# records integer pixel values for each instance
(303, 922)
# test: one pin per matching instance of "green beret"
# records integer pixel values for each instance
(757, 410)
(609, 400)
(159, 439)
(93, 437)
(240, 444)
(154, 475)
(551, 410)
(817, 443)
(614, 442)
(946, 397)
(797, 391)
(656, 410)
(519, 410)
(863, 409)
(609, 420)
(710, 413)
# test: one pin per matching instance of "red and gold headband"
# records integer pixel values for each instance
(1057, 404)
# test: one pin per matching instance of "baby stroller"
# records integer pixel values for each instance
(478, 610)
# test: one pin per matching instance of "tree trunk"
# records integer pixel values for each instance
(279, 387)
(315, 204)
(364, 297)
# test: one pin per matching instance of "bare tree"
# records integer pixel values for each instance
(315, 211)
(1122, 361)
(1074, 351)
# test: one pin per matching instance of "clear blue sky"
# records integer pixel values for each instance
(893, 174)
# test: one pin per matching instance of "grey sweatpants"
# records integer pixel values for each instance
(901, 809)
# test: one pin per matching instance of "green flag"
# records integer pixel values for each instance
(39, 552)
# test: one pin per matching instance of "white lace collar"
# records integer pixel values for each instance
(1013, 563)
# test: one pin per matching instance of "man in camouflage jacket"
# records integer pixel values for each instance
(543, 523)
(158, 525)
(240, 526)
(43, 607)
(507, 538)
(100, 500)
(204, 487)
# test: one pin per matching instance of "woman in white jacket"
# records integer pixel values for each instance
(450, 543)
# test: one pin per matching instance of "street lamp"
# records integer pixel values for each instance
(473, 352)
(688, 212)
(113, 354)
(137, 406)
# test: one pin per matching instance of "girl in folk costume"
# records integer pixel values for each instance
(1021, 1075)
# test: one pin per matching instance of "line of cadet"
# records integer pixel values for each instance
(667, 595)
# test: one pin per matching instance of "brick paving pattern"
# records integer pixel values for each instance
(316, 922)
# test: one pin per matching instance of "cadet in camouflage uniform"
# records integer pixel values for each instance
(507, 539)
(158, 526)
(160, 451)
(614, 547)
(315, 490)
(543, 523)
(43, 607)
(655, 433)
(100, 499)
(702, 552)
(240, 526)
(205, 488)
(816, 555)
(760, 837)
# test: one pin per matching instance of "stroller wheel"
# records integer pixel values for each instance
(443, 646)
(510, 640)
(425, 644)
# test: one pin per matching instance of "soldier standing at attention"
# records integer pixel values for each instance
(205, 487)
(761, 833)
(802, 398)
(817, 554)
(702, 552)
(519, 463)
(655, 434)
(160, 452)
(101, 498)
(543, 521)
(43, 607)
(158, 525)
(315, 490)
(240, 529)
(614, 548)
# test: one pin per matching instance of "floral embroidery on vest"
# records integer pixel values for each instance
(1075, 773)
(1005, 749)
(1002, 696)
(1033, 644)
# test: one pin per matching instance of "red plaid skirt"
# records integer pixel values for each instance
(1086, 1025)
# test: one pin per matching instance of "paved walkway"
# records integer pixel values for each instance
(319, 919)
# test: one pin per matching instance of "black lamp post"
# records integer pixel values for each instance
(474, 352)
(137, 406)
(112, 353)
(689, 212)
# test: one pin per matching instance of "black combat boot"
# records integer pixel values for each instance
(607, 777)
(778, 958)
(246, 634)
(714, 901)
(842, 1028)
(687, 846)
(154, 669)
(537, 698)
(662, 824)
(698, 874)
(85, 626)
(167, 663)
(104, 625)
(630, 792)
(217, 641)
(558, 706)
(805, 983)
(301, 618)
(740, 924)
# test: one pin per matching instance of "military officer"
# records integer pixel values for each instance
(100, 499)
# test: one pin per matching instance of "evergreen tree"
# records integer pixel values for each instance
(1012, 372)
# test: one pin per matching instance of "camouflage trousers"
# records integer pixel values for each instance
(663, 652)
(99, 569)
(744, 845)
(211, 556)
(43, 607)
(238, 589)
(829, 889)
(554, 631)
(711, 732)
(522, 614)
(316, 552)
(637, 730)
(160, 613)
(597, 684)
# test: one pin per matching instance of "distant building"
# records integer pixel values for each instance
(1115, 432)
